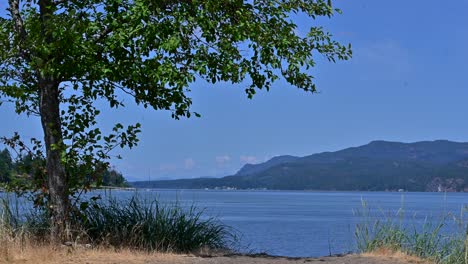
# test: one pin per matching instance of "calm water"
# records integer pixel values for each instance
(308, 223)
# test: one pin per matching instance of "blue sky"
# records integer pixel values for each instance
(406, 82)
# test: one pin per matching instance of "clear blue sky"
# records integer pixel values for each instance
(408, 81)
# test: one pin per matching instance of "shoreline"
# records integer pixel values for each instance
(275, 190)
(79, 255)
(138, 189)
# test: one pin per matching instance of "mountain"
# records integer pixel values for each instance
(377, 166)
(248, 169)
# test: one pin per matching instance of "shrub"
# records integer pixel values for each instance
(132, 224)
(153, 226)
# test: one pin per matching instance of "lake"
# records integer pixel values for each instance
(295, 223)
(310, 223)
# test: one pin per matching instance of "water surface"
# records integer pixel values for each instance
(310, 223)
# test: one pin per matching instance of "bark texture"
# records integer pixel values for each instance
(57, 179)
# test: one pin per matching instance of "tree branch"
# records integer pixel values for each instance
(104, 33)
(19, 25)
(16, 16)
(58, 2)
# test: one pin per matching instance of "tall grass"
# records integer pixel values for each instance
(427, 241)
(130, 224)
(154, 227)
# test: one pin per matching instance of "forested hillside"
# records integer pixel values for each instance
(378, 166)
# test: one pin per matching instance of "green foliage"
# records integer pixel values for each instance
(426, 241)
(132, 224)
(26, 176)
(153, 226)
(154, 50)
(58, 58)
(29, 174)
(114, 178)
(6, 166)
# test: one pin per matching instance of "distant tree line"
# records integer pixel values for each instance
(114, 178)
(24, 168)
(432, 166)
(7, 166)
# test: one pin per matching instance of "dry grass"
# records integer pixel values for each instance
(46, 254)
(28, 254)
(22, 250)
(396, 255)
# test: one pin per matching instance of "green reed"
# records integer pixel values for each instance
(427, 241)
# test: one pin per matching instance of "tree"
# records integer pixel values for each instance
(113, 178)
(59, 57)
(6, 166)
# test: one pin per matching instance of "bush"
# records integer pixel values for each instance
(153, 227)
(129, 224)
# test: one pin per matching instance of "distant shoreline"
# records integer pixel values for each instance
(116, 188)
(428, 166)
(138, 189)
(285, 190)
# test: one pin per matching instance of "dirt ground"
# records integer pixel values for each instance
(40, 256)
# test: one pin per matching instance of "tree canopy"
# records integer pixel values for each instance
(153, 50)
(59, 57)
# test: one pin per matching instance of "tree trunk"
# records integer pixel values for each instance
(57, 179)
(49, 109)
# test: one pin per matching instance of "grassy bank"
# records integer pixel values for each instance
(131, 224)
(426, 241)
